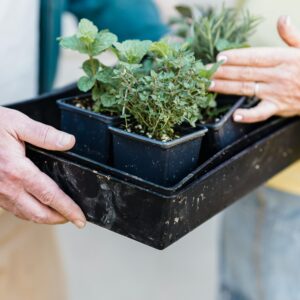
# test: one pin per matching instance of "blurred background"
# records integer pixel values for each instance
(103, 265)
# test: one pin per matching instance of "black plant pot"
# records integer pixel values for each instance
(163, 163)
(93, 138)
(225, 131)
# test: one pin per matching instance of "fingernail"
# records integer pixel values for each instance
(65, 139)
(238, 118)
(222, 58)
(79, 224)
(212, 84)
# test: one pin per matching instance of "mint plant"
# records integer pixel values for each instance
(88, 40)
(214, 31)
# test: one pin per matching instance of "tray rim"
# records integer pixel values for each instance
(172, 193)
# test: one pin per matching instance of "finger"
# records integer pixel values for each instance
(48, 192)
(288, 32)
(242, 88)
(43, 136)
(263, 111)
(28, 208)
(255, 57)
(244, 73)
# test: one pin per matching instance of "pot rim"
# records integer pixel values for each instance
(64, 105)
(216, 126)
(164, 145)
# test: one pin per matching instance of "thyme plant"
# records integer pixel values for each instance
(174, 92)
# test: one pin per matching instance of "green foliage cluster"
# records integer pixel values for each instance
(173, 92)
(210, 31)
(152, 101)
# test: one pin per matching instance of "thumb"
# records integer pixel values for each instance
(43, 136)
(288, 32)
(263, 111)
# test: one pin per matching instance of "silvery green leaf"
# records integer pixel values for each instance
(103, 41)
(87, 31)
(132, 51)
(91, 67)
(73, 43)
(96, 93)
(161, 48)
(108, 100)
(85, 83)
(106, 75)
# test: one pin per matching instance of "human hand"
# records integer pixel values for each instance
(24, 190)
(271, 74)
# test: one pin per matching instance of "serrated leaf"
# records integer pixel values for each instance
(85, 83)
(87, 31)
(73, 43)
(103, 41)
(161, 48)
(132, 51)
(91, 67)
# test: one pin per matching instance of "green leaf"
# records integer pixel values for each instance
(87, 31)
(208, 73)
(223, 45)
(108, 100)
(131, 66)
(132, 51)
(91, 67)
(73, 43)
(85, 83)
(106, 75)
(103, 41)
(96, 93)
(185, 11)
(161, 48)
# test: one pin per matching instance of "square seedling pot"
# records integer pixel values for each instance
(163, 163)
(225, 131)
(93, 138)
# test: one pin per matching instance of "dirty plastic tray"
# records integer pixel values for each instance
(155, 215)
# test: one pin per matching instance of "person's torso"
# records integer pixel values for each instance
(19, 26)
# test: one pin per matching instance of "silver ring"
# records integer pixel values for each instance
(256, 89)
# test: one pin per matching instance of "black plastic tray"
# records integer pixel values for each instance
(152, 214)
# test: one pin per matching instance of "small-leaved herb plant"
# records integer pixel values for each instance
(211, 31)
(153, 102)
(172, 93)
